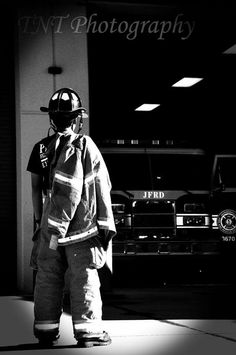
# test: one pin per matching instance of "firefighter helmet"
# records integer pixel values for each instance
(64, 101)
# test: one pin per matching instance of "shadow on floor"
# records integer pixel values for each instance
(169, 302)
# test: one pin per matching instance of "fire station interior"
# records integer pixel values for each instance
(143, 71)
(127, 70)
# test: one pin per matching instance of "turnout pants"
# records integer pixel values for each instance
(81, 261)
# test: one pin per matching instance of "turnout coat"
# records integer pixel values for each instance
(80, 202)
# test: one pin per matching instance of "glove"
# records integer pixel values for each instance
(53, 242)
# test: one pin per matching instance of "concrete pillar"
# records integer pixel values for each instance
(42, 41)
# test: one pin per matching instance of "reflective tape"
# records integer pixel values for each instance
(81, 236)
(46, 326)
(103, 223)
(53, 223)
(108, 224)
(67, 180)
(89, 178)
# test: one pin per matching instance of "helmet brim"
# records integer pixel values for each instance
(46, 109)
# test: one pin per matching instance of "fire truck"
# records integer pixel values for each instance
(174, 208)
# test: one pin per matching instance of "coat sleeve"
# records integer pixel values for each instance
(105, 218)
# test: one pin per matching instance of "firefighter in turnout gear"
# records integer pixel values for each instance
(74, 224)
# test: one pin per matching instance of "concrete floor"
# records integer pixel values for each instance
(171, 320)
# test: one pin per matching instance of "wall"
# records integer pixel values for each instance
(39, 45)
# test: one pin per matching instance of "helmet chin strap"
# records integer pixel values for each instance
(80, 124)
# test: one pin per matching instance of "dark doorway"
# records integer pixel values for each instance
(8, 255)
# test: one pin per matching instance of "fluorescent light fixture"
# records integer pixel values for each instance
(186, 82)
(231, 50)
(147, 107)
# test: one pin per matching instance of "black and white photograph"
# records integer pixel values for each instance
(118, 177)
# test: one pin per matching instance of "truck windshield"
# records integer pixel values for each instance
(144, 171)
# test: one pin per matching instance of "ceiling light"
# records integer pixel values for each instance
(147, 107)
(186, 82)
(231, 50)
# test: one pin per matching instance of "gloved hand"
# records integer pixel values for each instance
(53, 242)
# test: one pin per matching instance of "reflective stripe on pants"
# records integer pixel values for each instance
(43, 329)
